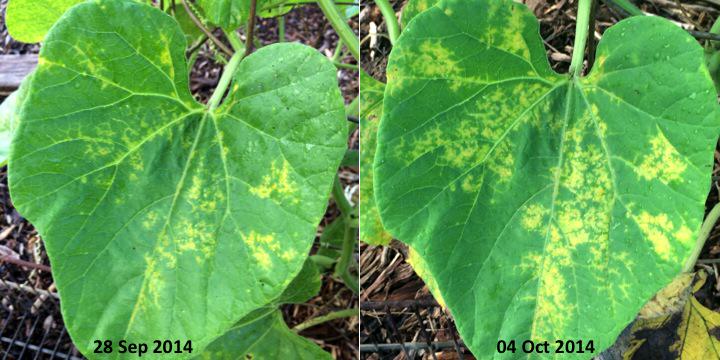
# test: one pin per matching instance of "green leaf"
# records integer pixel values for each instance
(9, 115)
(29, 20)
(534, 198)
(303, 287)
(413, 8)
(371, 102)
(266, 338)
(163, 219)
(227, 14)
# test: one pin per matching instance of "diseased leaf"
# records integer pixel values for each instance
(677, 325)
(413, 8)
(534, 198)
(29, 20)
(266, 338)
(163, 219)
(371, 97)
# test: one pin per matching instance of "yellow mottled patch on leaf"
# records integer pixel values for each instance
(659, 230)
(260, 247)
(534, 217)
(663, 162)
(277, 184)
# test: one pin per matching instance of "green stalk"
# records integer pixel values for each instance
(325, 318)
(341, 27)
(281, 28)
(391, 21)
(235, 41)
(225, 79)
(581, 34)
(342, 267)
(705, 230)
(628, 6)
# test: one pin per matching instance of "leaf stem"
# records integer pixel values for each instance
(234, 40)
(281, 28)
(250, 28)
(341, 27)
(581, 35)
(205, 30)
(342, 267)
(325, 318)
(224, 82)
(391, 22)
(705, 230)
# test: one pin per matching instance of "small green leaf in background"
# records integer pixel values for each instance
(161, 218)
(29, 20)
(9, 115)
(544, 206)
(413, 8)
(266, 338)
(371, 100)
(303, 287)
(227, 14)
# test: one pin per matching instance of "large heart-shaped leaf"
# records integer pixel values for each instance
(545, 206)
(164, 220)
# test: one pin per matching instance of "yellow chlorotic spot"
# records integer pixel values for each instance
(288, 255)
(534, 217)
(471, 184)
(684, 234)
(278, 183)
(259, 246)
(657, 229)
(663, 162)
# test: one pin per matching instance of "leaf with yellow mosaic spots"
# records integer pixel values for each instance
(413, 8)
(544, 206)
(371, 228)
(163, 219)
(675, 325)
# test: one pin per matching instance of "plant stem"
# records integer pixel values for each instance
(581, 35)
(224, 82)
(325, 318)
(205, 30)
(281, 28)
(340, 65)
(627, 6)
(391, 22)
(342, 267)
(341, 27)
(342, 202)
(705, 230)
(235, 41)
(250, 28)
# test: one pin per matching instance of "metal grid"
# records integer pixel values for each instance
(31, 327)
(412, 329)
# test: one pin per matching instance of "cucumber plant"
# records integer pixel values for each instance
(545, 206)
(165, 218)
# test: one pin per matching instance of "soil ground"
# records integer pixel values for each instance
(305, 24)
(385, 276)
